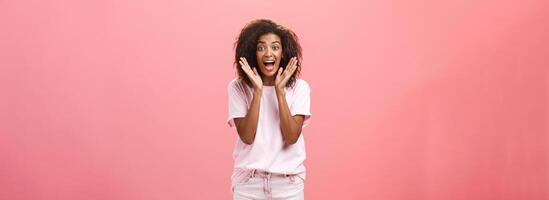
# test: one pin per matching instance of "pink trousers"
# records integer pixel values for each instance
(256, 184)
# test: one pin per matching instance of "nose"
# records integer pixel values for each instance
(269, 52)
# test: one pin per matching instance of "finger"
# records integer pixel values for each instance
(245, 61)
(288, 73)
(296, 62)
(288, 70)
(245, 68)
(289, 64)
(294, 67)
(241, 64)
(257, 77)
(279, 72)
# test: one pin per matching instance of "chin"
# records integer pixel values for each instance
(268, 73)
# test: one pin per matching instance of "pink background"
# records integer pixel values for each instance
(410, 99)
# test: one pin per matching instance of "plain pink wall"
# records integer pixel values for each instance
(410, 99)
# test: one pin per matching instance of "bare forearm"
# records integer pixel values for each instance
(247, 126)
(289, 126)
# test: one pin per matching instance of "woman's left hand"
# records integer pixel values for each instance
(282, 77)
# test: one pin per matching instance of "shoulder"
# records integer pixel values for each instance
(235, 84)
(235, 81)
(301, 84)
(300, 87)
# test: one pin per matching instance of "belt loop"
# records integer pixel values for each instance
(267, 186)
(252, 175)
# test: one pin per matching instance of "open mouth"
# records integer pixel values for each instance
(269, 64)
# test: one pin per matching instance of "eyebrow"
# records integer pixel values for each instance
(262, 42)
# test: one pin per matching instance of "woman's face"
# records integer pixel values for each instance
(268, 54)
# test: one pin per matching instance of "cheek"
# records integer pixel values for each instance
(258, 58)
(279, 56)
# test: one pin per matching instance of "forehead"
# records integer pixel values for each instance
(269, 38)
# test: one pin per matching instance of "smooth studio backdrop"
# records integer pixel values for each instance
(411, 100)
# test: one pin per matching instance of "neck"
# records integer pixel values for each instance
(268, 81)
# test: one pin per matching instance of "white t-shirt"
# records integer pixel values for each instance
(268, 151)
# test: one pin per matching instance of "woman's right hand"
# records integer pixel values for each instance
(252, 74)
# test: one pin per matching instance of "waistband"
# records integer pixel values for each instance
(262, 173)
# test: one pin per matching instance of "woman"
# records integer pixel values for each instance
(268, 106)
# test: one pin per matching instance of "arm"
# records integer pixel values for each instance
(289, 125)
(247, 126)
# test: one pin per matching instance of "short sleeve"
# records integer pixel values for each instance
(301, 104)
(238, 106)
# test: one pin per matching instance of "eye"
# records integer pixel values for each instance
(260, 48)
(275, 48)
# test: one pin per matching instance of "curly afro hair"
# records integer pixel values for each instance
(247, 41)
